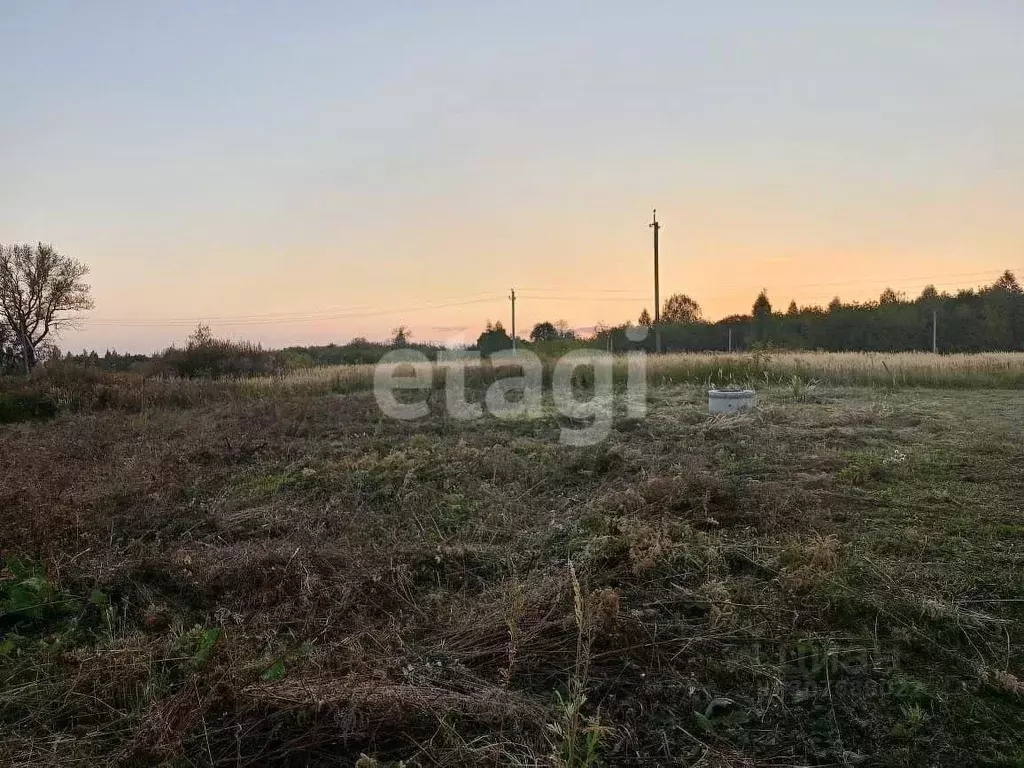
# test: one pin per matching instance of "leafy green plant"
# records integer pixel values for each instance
(863, 468)
(30, 602)
(207, 640)
(278, 669)
(274, 672)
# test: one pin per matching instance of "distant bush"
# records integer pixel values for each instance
(25, 404)
(204, 356)
(555, 348)
(207, 357)
(359, 351)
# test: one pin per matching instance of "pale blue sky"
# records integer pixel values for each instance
(321, 161)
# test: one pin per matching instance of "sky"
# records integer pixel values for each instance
(307, 172)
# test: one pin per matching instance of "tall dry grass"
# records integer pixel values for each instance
(75, 390)
(994, 370)
(999, 370)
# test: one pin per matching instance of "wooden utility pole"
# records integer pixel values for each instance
(935, 332)
(513, 297)
(657, 299)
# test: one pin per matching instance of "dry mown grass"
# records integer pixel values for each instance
(297, 580)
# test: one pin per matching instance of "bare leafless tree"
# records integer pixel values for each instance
(40, 290)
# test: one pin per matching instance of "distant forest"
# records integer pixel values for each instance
(990, 318)
(973, 320)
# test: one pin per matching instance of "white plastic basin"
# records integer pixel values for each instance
(729, 400)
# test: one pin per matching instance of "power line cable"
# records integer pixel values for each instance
(282, 315)
(157, 323)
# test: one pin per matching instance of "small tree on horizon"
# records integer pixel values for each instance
(762, 314)
(680, 308)
(202, 336)
(544, 331)
(1007, 282)
(564, 330)
(493, 339)
(889, 296)
(400, 336)
(645, 318)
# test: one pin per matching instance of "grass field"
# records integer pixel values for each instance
(75, 391)
(834, 579)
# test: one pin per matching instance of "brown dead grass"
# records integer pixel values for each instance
(402, 590)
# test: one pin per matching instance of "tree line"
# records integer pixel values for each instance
(990, 318)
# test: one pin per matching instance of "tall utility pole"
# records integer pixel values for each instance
(657, 299)
(513, 297)
(935, 332)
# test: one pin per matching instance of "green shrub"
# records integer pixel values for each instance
(25, 404)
